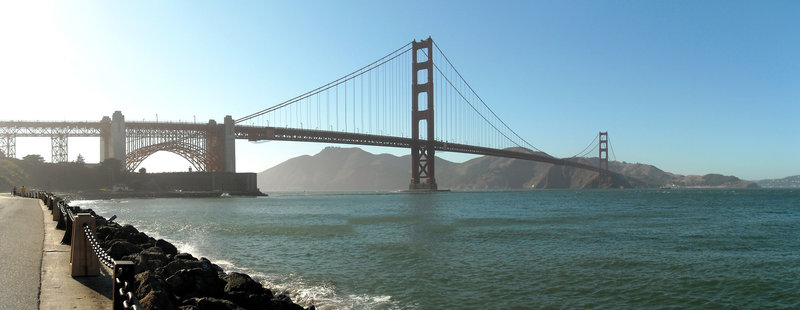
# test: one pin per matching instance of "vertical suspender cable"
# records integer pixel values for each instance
(337, 107)
(354, 106)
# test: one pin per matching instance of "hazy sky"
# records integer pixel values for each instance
(692, 87)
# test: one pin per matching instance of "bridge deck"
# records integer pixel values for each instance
(255, 133)
(258, 133)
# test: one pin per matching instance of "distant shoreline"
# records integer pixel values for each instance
(107, 195)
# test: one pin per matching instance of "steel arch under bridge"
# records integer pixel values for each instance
(207, 147)
(189, 143)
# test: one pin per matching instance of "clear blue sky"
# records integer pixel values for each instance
(692, 87)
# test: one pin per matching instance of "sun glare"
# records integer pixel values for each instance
(40, 67)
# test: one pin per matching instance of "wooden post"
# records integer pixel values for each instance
(56, 211)
(124, 271)
(82, 260)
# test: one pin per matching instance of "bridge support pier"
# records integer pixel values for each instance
(112, 138)
(221, 145)
(422, 150)
(229, 144)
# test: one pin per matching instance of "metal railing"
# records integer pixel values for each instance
(86, 253)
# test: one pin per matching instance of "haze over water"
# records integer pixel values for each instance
(527, 249)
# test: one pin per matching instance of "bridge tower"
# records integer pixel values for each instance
(230, 144)
(422, 150)
(112, 138)
(602, 159)
(221, 146)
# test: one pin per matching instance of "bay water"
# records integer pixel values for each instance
(601, 249)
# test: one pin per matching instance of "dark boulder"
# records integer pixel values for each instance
(249, 301)
(168, 248)
(239, 282)
(209, 303)
(245, 291)
(99, 220)
(103, 231)
(283, 302)
(131, 234)
(184, 256)
(178, 264)
(125, 232)
(141, 238)
(195, 282)
(149, 259)
(147, 282)
(120, 248)
(213, 266)
(157, 300)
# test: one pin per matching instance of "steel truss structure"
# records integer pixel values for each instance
(142, 139)
(57, 131)
(189, 141)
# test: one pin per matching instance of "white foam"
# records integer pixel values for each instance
(322, 296)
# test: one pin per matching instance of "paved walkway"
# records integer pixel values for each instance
(37, 273)
(21, 235)
(59, 290)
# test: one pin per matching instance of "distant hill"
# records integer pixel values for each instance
(345, 169)
(339, 169)
(787, 182)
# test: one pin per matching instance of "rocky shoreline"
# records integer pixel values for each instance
(167, 279)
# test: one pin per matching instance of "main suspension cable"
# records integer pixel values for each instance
(483, 102)
(330, 84)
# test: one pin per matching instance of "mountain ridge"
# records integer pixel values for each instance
(353, 169)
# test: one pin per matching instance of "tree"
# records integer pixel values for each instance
(36, 158)
(80, 159)
(142, 170)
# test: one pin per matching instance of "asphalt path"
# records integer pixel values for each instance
(21, 239)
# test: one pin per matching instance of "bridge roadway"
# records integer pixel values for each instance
(257, 133)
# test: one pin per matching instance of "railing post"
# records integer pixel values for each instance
(82, 260)
(123, 273)
(57, 212)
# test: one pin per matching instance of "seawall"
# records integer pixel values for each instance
(231, 182)
(162, 278)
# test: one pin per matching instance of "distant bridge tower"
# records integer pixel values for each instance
(422, 150)
(112, 138)
(220, 146)
(602, 159)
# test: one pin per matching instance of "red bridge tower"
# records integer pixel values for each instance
(422, 150)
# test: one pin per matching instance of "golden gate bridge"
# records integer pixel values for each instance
(369, 106)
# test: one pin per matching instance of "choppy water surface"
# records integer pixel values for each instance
(530, 249)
